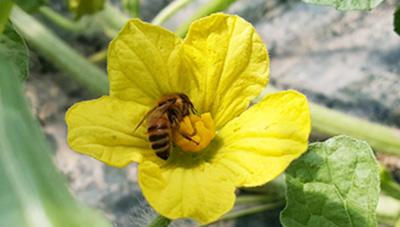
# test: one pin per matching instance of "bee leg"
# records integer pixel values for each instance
(173, 116)
(175, 122)
(186, 136)
(194, 111)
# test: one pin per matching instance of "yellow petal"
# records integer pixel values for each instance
(144, 63)
(104, 129)
(230, 63)
(177, 190)
(261, 143)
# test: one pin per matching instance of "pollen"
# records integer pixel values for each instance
(195, 132)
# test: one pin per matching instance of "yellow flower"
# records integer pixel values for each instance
(221, 65)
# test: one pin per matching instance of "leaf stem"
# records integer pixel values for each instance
(388, 210)
(209, 8)
(59, 53)
(160, 221)
(170, 10)
(251, 210)
(110, 19)
(61, 21)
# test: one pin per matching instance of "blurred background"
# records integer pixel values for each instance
(348, 61)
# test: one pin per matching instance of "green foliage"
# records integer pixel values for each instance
(84, 7)
(6, 6)
(336, 183)
(396, 21)
(13, 48)
(347, 4)
(32, 192)
(389, 184)
(160, 221)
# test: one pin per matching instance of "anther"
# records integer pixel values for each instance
(195, 132)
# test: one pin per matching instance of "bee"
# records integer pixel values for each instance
(164, 118)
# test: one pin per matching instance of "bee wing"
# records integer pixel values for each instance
(160, 111)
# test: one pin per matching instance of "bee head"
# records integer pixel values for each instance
(187, 105)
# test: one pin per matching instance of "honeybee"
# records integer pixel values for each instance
(165, 117)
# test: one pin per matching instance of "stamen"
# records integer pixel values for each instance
(195, 132)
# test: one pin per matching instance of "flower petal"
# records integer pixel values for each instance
(230, 63)
(144, 63)
(261, 143)
(104, 129)
(179, 190)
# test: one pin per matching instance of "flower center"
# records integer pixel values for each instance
(195, 132)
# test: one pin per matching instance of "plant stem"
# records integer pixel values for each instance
(251, 199)
(170, 10)
(59, 53)
(160, 221)
(329, 122)
(61, 21)
(111, 19)
(251, 210)
(209, 8)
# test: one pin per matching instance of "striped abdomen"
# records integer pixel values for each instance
(159, 133)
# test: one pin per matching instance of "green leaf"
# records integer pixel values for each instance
(84, 7)
(32, 192)
(389, 184)
(30, 5)
(13, 47)
(132, 7)
(347, 4)
(336, 183)
(396, 21)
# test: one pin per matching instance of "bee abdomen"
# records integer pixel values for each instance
(159, 137)
(158, 127)
(160, 144)
(162, 147)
